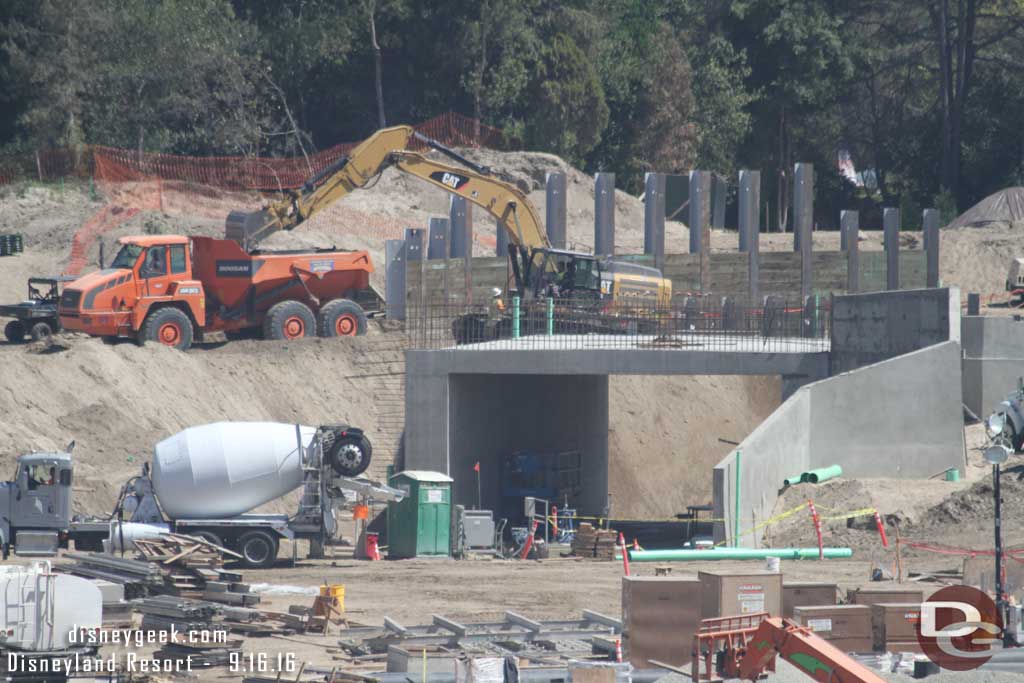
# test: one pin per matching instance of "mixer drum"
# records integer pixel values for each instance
(227, 468)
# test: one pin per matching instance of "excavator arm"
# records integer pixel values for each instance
(812, 654)
(384, 148)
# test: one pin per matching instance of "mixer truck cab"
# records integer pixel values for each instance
(171, 290)
(35, 508)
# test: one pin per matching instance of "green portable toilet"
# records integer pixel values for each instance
(419, 525)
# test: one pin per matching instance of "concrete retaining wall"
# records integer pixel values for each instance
(899, 418)
(868, 328)
(993, 360)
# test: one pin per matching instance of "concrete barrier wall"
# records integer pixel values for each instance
(869, 328)
(777, 449)
(993, 359)
(900, 418)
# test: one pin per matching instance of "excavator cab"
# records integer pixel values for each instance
(559, 273)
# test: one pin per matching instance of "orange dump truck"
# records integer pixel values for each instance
(173, 289)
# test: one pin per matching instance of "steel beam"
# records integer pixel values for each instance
(555, 209)
(931, 247)
(849, 225)
(604, 214)
(750, 228)
(439, 231)
(520, 620)
(803, 222)
(654, 217)
(394, 282)
(446, 623)
(501, 239)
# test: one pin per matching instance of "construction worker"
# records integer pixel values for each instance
(495, 313)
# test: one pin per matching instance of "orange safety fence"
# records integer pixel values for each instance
(112, 164)
(211, 187)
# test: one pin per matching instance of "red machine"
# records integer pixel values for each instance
(746, 646)
(172, 289)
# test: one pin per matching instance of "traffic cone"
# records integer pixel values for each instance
(618, 651)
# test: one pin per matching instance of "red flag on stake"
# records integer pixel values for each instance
(476, 467)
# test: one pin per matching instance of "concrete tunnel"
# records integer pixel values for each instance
(491, 416)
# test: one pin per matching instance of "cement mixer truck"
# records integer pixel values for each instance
(204, 481)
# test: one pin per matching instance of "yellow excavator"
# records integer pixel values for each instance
(538, 270)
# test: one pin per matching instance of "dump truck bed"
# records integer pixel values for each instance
(241, 284)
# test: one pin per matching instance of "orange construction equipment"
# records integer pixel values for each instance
(746, 646)
(172, 289)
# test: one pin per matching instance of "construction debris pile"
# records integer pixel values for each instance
(172, 564)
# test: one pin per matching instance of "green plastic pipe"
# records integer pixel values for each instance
(736, 514)
(824, 474)
(551, 316)
(794, 480)
(735, 554)
(515, 317)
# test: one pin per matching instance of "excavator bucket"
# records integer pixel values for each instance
(248, 228)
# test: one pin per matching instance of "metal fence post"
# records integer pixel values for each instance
(551, 316)
(515, 317)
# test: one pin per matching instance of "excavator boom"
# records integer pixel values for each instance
(384, 148)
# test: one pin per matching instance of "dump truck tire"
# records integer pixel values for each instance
(289, 320)
(15, 332)
(350, 455)
(341, 318)
(41, 331)
(168, 326)
(258, 549)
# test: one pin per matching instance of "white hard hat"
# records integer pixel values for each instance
(496, 292)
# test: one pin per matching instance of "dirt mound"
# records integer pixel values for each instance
(1005, 206)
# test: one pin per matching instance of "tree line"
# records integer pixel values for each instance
(924, 95)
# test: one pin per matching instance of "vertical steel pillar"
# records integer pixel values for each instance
(931, 247)
(654, 217)
(604, 213)
(803, 220)
(849, 224)
(555, 209)
(394, 283)
(750, 228)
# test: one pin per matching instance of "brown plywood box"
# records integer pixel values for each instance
(660, 614)
(873, 595)
(833, 622)
(807, 594)
(858, 645)
(732, 593)
(893, 622)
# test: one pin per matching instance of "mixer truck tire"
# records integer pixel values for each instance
(209, 537)
(350, 455)
(168, 326)
(341, 318)
(289, 320)
(258, 549)
(15, 332)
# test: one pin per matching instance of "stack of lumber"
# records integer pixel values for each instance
(598, 544)
(194, 568)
